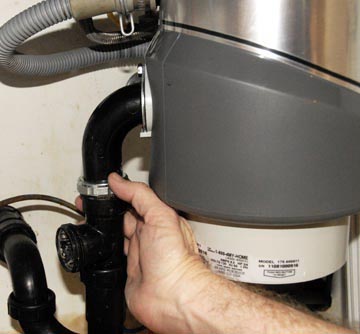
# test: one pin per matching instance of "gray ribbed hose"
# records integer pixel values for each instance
(41, 16)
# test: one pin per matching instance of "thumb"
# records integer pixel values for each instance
(139, 195)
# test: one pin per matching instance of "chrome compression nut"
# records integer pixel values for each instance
(93, 189)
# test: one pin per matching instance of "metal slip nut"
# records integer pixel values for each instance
(93, 189)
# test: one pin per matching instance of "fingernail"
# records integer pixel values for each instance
(116, 177)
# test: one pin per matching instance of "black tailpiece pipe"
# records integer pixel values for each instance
(102, 155)
(97, 249)
(31, 302)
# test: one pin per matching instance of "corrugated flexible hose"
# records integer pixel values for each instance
(41, 16)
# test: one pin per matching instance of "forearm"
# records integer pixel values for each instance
(222, 307)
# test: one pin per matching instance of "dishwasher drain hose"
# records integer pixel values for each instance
(41, 16)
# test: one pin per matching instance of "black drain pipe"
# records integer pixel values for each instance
(31, 302)
(96, 248)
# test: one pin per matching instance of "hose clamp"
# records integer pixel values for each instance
(130, 19)
(94, 189)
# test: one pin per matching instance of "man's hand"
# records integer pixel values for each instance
(170, 290)
(164, 268)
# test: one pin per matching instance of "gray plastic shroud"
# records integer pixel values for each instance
(242, 138)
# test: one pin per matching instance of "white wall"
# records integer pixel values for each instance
(40, 140)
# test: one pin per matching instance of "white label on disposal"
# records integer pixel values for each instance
(278, 269)
(242, 267)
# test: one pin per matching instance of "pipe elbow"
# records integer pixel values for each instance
(106, 130)
(27, 272)
(31, 302)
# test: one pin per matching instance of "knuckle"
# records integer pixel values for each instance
(157, 213)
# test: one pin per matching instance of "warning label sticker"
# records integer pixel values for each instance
(242, 267)
(279, 273)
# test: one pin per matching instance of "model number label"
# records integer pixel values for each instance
(278, 269)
